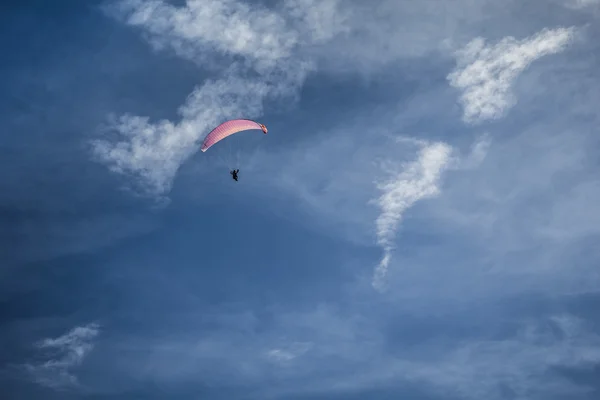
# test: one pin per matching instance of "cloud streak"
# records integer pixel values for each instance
(485, 73)
(418, 180)
(63, 353)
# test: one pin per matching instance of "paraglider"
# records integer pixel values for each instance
(229, 128)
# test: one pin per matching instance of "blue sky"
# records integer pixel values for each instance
(420, 222)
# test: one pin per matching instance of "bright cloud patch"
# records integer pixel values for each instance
(417, 181)
(485, 74)
(226, 26)
(63, 354)
(233, 27)
(154, 151)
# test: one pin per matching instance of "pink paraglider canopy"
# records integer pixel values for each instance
(229, 128)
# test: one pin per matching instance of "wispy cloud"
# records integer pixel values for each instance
(349, 351)
(62, 355)
(288, 353)
(479, 151)
(485, 73)
(522, 366)
(581, 4)
(154, 151)
(418, 180)
(525, 363)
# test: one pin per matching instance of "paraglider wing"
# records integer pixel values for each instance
(229, 128)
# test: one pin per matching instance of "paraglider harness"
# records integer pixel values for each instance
(234, 174)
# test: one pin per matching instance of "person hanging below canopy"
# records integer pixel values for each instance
(229, 128)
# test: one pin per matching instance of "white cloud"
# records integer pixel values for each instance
(154, 152)
(265, 39)
(63, 354)
(339, 196)
(523, 221)
(485, 74)
(227, 26)
(581, 4)
(230, 27)
(418, 180)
